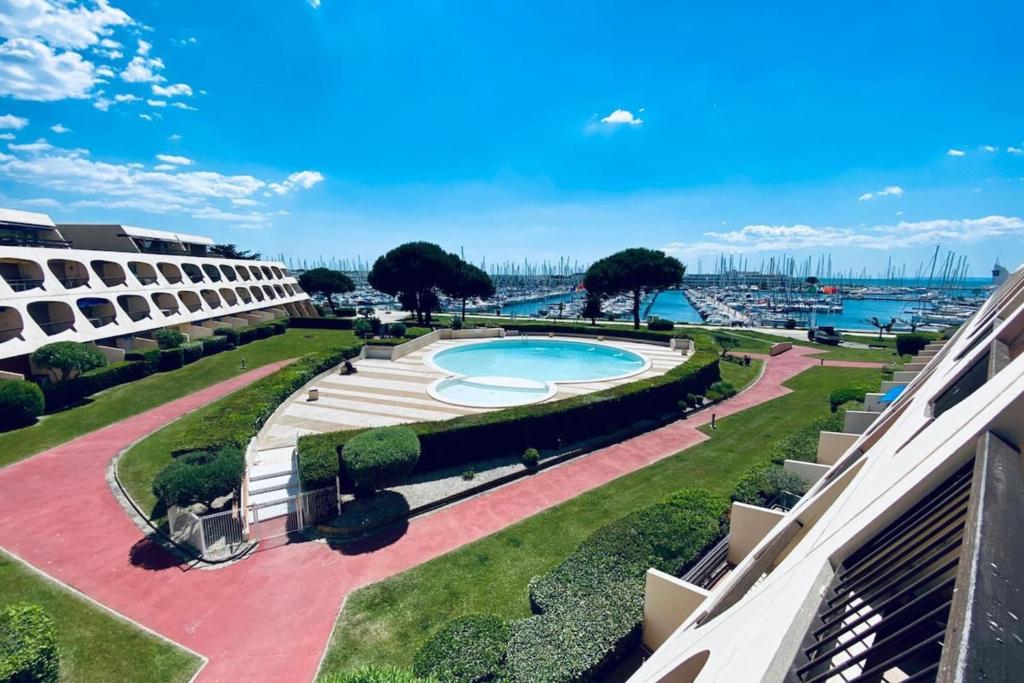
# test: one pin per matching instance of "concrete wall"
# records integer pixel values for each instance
(748, 524)
(832, 445)
(780, 347)
(668, 602)
(112, 354)
(858, 421)
(810, 472)
(903, 377)
(872, 403)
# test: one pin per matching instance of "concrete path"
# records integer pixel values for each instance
(269, 617)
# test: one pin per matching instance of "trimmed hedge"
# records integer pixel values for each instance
(618, 331)
(380, 457)
(846, 395)
(61, 394)
(802, 443)
(168, 338)
(150, 359)
(589, 609)
(28, 645)
(200, 477)
(910, 344)
(765, 484)
(469, 649)
(322, 323)
(660, 325)
(236, 418)
(545, 425)
(233, 336)
(214, 344)
(375, 674)
(21, 402)
(171, 359)
(192, 351)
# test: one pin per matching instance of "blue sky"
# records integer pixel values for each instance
(527, 129)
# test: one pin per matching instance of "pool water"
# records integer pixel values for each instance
(510, 372)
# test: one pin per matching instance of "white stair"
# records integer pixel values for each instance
(273, 480)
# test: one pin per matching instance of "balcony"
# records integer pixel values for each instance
(110, 273)
(53, 317)
(25, 238)
(11, 325)
(21, 275)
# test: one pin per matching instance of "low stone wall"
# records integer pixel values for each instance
(395, 352)
(780, 347)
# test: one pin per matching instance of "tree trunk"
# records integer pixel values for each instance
(636, 309)
(463, 309)
(426, 312)
(330, 302)
(419, 310)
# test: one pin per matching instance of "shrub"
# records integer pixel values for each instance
(765, 485)
(215, 344)
(691, 400)
(510, 431)
(910, 344)
(379, 457)
(169, 338)
(457, 322)
(231, 334)
(280, 326)
(530, 457)
(468, 649)
(150, 359)
(28, 645)
(362, 327)
(61, 394)
(589, 609)
(192, 351)
(469, 475)
(171, 359)
(67, 359)
(21, 402)
(346, 312)
(264, 331)
(660, 324)
(200, 477)
(236, 418)
(375, 674)
(723, 389)
(396, 330)
(845, 395)
(802, 443)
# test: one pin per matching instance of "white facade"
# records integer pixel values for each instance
(61, 293)
(962, 411)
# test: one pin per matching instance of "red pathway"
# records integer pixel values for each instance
(269, 617)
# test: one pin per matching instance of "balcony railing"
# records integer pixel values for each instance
(55, 326)
(24, 284)
(101, 320)
(72, 282)
(170, 311)
(27, 241)
(150, 280)
(5, 333)
(113, 281)
(138, 315)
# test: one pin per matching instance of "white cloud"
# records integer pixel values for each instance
(104, 71)
(172, 90)
(620, 117)
(60, 128)
(10, 121)
(6, 136)
(953, 152)
(183, 105)
(315, 4)
(31, 70)
(303, 179)
(174, 137)
(146, 117)
(40, 145)
(60, 23)
(174, 159)
(1016, 151)
(144, 47)
(165, 167)
(110, 44)
(143, 68)
(126, 97)
(889, 191)
(157, 103)
(990, 148)
(40, 201)
(780, 238)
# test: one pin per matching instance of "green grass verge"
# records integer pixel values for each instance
(130, 399)
(739, 375)
(94, 644)
(385, 623)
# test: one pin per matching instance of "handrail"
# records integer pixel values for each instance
(23, 284)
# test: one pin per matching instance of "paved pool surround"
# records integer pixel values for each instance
(390, 392)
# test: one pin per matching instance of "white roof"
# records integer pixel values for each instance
(163, 235)
(26, 217)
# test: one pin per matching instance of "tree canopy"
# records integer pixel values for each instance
(414, 272)
(468, 281)
(633, 271)
(232, 251)
(67, 359)
(327, 283)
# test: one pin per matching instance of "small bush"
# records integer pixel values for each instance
(765, 485)
(380, 457)
(214, 344)
(457, 322)
(530, 457)
(468, 649)
(396, 330)
(231, 334)
(468, 475)
(846, 395)
(192, 351)
(21, 402)
(200, 477)
(375, 674)
(169, 338)
(660, 324)
(346, 312)
(171, 359)
(67, 359)
(28, 645)
(910, 344)
(362, 327)
(723, 389)
(692, 400)
(150, 359)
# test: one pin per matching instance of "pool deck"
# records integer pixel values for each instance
(386, 392)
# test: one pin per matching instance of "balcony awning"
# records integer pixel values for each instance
(892, 394)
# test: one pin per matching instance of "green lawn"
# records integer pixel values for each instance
(135, 397)
(386, 622)
(94, 644)
(740, 375)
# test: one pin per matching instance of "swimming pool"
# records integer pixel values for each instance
(508, 372)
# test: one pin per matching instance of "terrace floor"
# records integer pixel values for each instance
(386, 392)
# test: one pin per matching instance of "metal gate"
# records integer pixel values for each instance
(271, 521)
